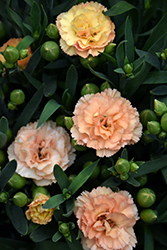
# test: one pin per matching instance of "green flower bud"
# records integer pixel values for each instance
(89, 88)
(68, 121)
(109, 49)
(122, 166)
(17, 96)
(11, 54)
(52, 31)
(162, 135)
(146, 138)
(105, 85)
(147, 4)
(164, 122)
(133, 167)
(66, 193)
(92, 61)
(104, 172)
(142, 180)
(76, 146)
(72, 177)
(64, 228)
(36, 35)
(16, 181)
(3, 158)
(148, 215)
(8, 65)
(146, 197)
(23, 53)
(2, 30)
(11, 105)
(36, 190)
(159, 107)
(163, 56)
(50, 51)
(96, 171)
(128, 68)
(154, 127)
(124, 177)
(60, 120)
(20, 199)
(147, 115)
(4, 197)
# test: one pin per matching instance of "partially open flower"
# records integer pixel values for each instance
(14, 42)
(85, 30)
(106, 219)
(106, 122)
(37, 213)
(38, 150)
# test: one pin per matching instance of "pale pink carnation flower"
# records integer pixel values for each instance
(38, 150)
(85, 30)
(106, 122)
(106, 219)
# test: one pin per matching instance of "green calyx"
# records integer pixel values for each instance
(154, 127)
(146, 197)
(17, 96)
(147, 115)
(122, 166)
(11, 54)
(159, 107)
(89, 88)
(20, 199)
(16, 181)
(52, 31)
(50, 51)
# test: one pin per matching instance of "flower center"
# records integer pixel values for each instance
(103, 219)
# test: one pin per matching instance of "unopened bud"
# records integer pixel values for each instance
(60, 120)
(122, 166)
(124, 177)
(109, 49)
(104, 172)
(159, 107)
(147, 4)
(36, 35)
(16, 181)
(8, 65)
(23, 53)
(105, 85)
(164, 122)
(36, 190)
(52, 31)
(142, 180)
(4, 197)
(133, 167)
(162, 135)
(92, 61)
(89, 88)
(20, 199)
(128, 68)
(148, 215)
(17, 96)
(71, 177)
(50, 51)
(64, 228)
(78, 147)
(147, 115)
(146, 138)
(154, 127)
(3, 155)
(163, 56)
(66, 193)
(11, 54)
(146, 197)
(11, 105)
(68, 121)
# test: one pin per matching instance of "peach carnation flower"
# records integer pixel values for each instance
(85, 30)
(106, 122)
(22, 63)
(38, 150)
(37, 213)
(106, 219)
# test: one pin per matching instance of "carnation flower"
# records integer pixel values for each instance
(106, 122)
(22, 63)
(37, 213)
(85, 30)
(106, 219)
(38, 150)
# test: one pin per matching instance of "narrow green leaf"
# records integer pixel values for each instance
(162, 205)
(54, 201)
(162, 218)
(159, 235)
(74, 244)
(17, 19)
(124, 154)
(4, 124)
(42, 233)
(50, 85)
(58, 64)
(156, 77)
(132, 181)
(149, 58)
(159, 30)
(25, 42)
(110, 58)
(33, 62)
(44, 25)
(70, 203)
(3, 139)
(71, 80)
(100, 75)
(148, 239)
(35, 14)
(129, 45)
(28, 27)
(7, 173)
(120, 54)
(151, 166)
(57, 236)
(20, 224)
(164, 174)
(119, 71)
(29, 2)
(119, 8)
(63, 7)
(137, 63)
(37, 84)
(160, 90)
(61, 177)
(50, 107)
(82, 177)
(29, 110)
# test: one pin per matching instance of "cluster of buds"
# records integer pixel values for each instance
(128, 68)
(123, 168)
(155, 122)
(163, 54)
(17, 97)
